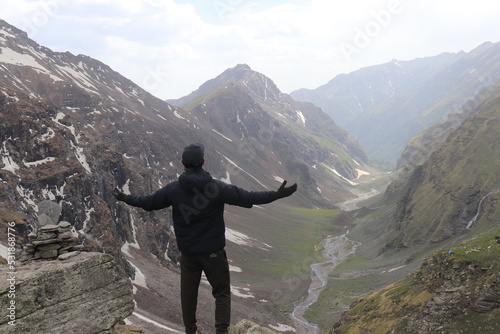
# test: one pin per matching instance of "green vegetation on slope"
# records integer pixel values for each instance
(295, 235)
(443, 194)
(453, 290)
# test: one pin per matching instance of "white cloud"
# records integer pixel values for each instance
(172, 47)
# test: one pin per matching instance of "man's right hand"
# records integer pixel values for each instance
(119, 195)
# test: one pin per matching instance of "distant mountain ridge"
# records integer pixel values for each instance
(419, 148)
(383, 106)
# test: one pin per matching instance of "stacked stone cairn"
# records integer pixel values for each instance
(50, 240)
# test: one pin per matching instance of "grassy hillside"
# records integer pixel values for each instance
(443, 194)
(454, 291)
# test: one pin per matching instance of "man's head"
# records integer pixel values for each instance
(193, 156)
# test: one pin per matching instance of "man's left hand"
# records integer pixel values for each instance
(286, 191)
(119, 195)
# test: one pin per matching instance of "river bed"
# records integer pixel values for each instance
(335, 250)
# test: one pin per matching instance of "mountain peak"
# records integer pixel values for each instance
(242, 67)
(9, 32)
(257, 84)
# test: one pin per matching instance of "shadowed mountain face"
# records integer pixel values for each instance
(384, 106)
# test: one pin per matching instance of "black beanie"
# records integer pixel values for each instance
(192, 156)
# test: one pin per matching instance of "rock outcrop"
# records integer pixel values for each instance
(249, 327)
(52, 241)
(86, 293)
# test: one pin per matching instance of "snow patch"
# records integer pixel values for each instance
(238, 237)
(393, 269)
(28, 196)
(238, 293)
(71, 128)
(278, 178)
(47, 136)
(52, 194)
(125, 249)
(176, 114)
(9, 163)
(140, 278)
(235, 165)
(78, 150)
(301, 117)
(168, 329)
(81, 157)
(220, 134)
(135, 244)
(81, 79)
(361, 173)
(88, 212)
(3, 251)
(38, 162)
(226, 179)
(338, 174)
(7, 34)
(243, 239)
(282, 328)
(235, 269)
(12, 57)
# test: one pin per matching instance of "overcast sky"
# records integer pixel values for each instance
(171, 47)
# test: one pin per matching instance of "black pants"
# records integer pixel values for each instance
(216, 269)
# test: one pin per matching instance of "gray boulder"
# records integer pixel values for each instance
(51, 209)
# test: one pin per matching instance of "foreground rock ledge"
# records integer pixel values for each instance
(249, 327)
(86, 293)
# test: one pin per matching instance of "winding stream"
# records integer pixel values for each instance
(336, 250)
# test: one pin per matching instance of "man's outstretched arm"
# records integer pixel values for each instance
(155, 201)
(241, 197)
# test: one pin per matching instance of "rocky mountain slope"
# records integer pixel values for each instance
(383, 106)
(443, 196)
(454, 291)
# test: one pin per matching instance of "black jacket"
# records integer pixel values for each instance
(197, 202)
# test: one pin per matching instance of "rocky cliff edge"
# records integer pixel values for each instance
(86, 293)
